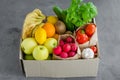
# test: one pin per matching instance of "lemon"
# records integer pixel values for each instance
(40, 35)
(52, 19)
(36, 27)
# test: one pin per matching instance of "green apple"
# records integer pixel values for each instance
(28, 45)
(28, 57)
(50, 43)
(40, 53)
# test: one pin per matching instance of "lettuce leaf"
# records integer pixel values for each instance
(80, 13)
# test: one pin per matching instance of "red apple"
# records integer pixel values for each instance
(73, 47)
(61, 43)
(63, 55)
(66, 47)
(71, 54)
(57, 50)
(69, 39)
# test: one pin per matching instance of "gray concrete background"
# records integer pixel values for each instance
(12, 14)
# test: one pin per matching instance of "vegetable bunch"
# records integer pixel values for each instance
(77, 15)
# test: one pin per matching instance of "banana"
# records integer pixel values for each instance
(32, 19)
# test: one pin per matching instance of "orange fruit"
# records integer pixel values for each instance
(40, 35)
(50, 29)
(56, 36)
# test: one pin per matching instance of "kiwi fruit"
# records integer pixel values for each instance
(60, 27)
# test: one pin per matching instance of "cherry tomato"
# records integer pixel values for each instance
(90, 29)
(94, 48)
(81, 37)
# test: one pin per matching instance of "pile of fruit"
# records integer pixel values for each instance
(68, 35)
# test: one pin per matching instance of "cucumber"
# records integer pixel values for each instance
(58, 12)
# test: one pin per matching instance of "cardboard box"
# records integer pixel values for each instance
(60, 68)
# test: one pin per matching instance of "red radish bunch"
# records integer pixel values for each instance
(66, 48)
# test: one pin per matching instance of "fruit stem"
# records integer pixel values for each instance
(41, 48)
(82, 31)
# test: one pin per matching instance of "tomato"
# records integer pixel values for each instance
(80, 31)
(94, 48)
(81, 37)
(90, 29)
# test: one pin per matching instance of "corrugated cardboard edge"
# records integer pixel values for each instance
(21, 58)
(94, 21)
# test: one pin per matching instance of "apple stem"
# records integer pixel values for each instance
(41, 48)
(54, 44)
(82, 31)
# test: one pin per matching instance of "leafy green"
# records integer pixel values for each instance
(78, 14)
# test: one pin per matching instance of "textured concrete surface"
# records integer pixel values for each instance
(12, 14)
